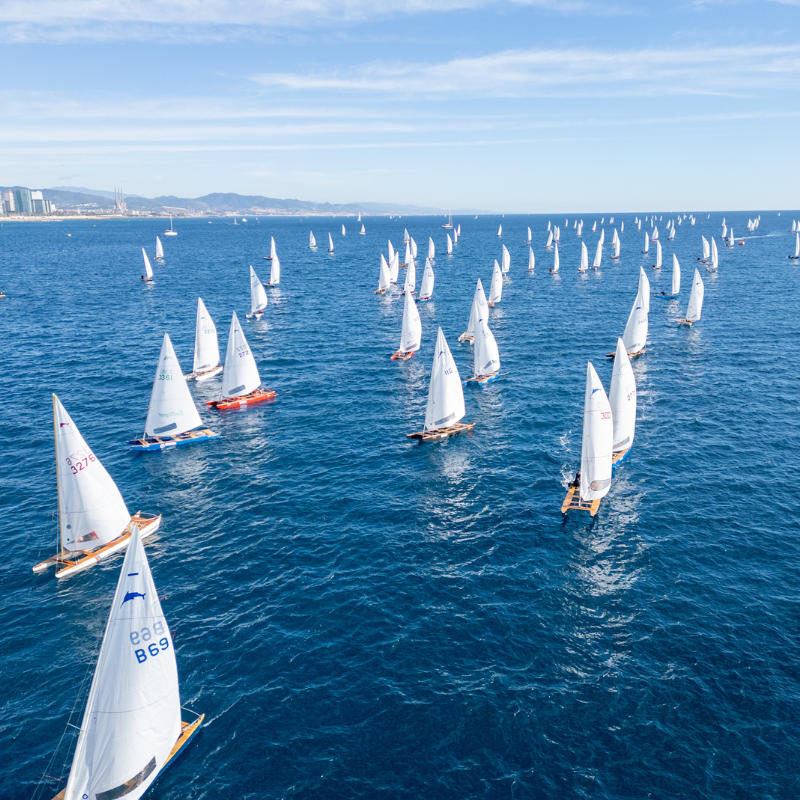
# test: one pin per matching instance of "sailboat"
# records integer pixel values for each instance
(234, 221)
(241, 383)
(406, 237)
(796, 248)
(549, 243)
(148, 270)
(343, 231)
(714, 256)
(500, 231)
(556, 262)
(479, 307)
(657, 265)
(171, 231)
(724, 230)
(431, 249)
(159, 250)
(496, 287)
(426, 287)
(695, 301)
(635, 335)
(384, 279)
(359, 217)
(531, 260)
(411, 277)
(93, 520)
(458, 230)
(598, 255)
(505, 262)
(394, 268)
(275, 267)
(654, 237)
(602, 237)
(258, 297)
(623, 404)
(671, 233)
(449, 223)
(362, 232)
(330, 243)
(312, 242)
(413, 245)
(449, 245)
(706, 251)
(132, 727)
(593, 481)
(486, 357)
(676, 280)
(615, 250)
(530, 237)
(730, 242)
(391, 252)
(584, 258)
(271, 249)
(594, 226)
(456, 234)
(172, 415)
(622, 226)
(411, 332)
(445, 408)
(206, 348)
(646, 243)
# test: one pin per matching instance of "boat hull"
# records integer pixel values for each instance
(400, 355)
(573, 502)
(439, 434)
(619, 456)
(205, 375)
(630, 355)
(259, 396)
(482, 380)
(152, 443)
(466, 337)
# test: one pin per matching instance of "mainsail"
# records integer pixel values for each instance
(445, 395)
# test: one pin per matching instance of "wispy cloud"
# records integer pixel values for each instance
(571, 71)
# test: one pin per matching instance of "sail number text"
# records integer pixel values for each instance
(146, 639)
(80, 459)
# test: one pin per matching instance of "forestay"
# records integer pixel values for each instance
(623, 400)
(240, 375)
(133, 715)
(445, 394)
(206, 347)
(598, 431)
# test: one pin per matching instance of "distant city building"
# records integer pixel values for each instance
(39, 204)
(22, 201)
(8, 202)
(119, 202)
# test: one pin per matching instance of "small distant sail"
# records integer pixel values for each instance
(796, 246)
(556, 260)
(479, 307)
(394, 268)
(258, 297)
(426, 287)
(548, 224)
(449, 245)
(531, 260)
(330, 243)
(657, 265)
(363, 231)
(706, 249)
(714, 255)
(159, 249)
(644, 288)
(530, 237)
(496, 288)
(455, 236)
(343, 230)
(431, 248)
(445, 394)
(622, 226)
(646, 243)
(172, 410)
(206, 346)
(506, 260)
(409, 254)
(655, 234)
(458, 232)
(594, 227)
(615, 252)
(486, 357)
(602, 237)
(312, 242)
(391, 251)
(240, 375)
(384, 279)
(676, 275)
(413, 247)
(549, 240)
(671, 233)
(500, 231)
(598, 255)
(359, 217)
(405, 236)
(275, 268)
(724, 230)
(148, 270)
(411, 278)
(598, 440)
(623, 400)
(584, 258)
(411, 333)
(635, 335)
(695, 298)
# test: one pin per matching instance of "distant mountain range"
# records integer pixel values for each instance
(74, 197)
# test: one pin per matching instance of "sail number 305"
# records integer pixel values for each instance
(150, 647)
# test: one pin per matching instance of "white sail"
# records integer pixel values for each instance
(275, 271)
(622, 226)
(724, 229)
(598, 433)
(615, 237)
(148, 270)
(363, 231)
(330, 243)
(405, 236)
(676, 275)
(91, 511)
(411, 333)
(644, 288)
(240, 375)
(505, 260)
(671, 233)
(695, 298)
(646, 243)
(391, 251)
(658, 254)
(531, 260)
(359, 216)
(458, 232)
(384, 278)
(426, 287)
(706, 249)
(431, 248)
(445, 395)
(623, 400)
(556, 260)
(411, 277)
(272, 251)
(602, 237)
(479, 307)
(343, 230)
(655, 233)
(548, 224)
(635, 335)
(530, 236)
(413, 247)
(615, 253)
(500, 231)
(407, 259)
(172, 410)
(598, 255)
(584, 258)
(159, 248)
(133, 713)
(312, 242)
(486, 357)
(549, 239)
(714, 255)
(258, 297)
(394, 268)
(496, 287)
(449, 245)
(206, 347)
(797, 245)
(730, 234)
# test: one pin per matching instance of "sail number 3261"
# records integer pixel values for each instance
(150, 647)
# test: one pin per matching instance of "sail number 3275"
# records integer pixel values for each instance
(150, 647)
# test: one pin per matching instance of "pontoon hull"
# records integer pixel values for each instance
(152, 443)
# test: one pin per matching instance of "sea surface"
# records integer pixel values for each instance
(362, 616)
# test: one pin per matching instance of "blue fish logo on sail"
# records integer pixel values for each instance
(132, 596)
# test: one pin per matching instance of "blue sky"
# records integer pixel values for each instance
(520, 106)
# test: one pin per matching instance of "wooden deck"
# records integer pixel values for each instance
(573, 502)
(438, 434)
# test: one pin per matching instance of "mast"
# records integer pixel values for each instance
(58, 482)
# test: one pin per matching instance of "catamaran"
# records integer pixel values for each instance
(695, 301)
(556, 262)
(635, 335)
(584, 265)
(93, 520)
(159, 250)
(623, 404)
(426, 287)
(496, 287)
(505, 262)
(206, 348)
(241, 383)
(148, 270)
(258, 297)
(132, 727)
(657, 265)
(531, 259)
(172, 417)
(312, 242)
(593, 480)
(409, 287)
(384, 279)
(486, 357)
(479, 307)
(330, 243)
(171, 231)
(411, 332)
(445, 408)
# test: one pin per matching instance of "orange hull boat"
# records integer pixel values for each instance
(258, 396)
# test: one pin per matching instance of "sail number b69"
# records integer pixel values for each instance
(144, 637)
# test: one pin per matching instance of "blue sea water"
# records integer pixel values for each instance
(360, 616)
